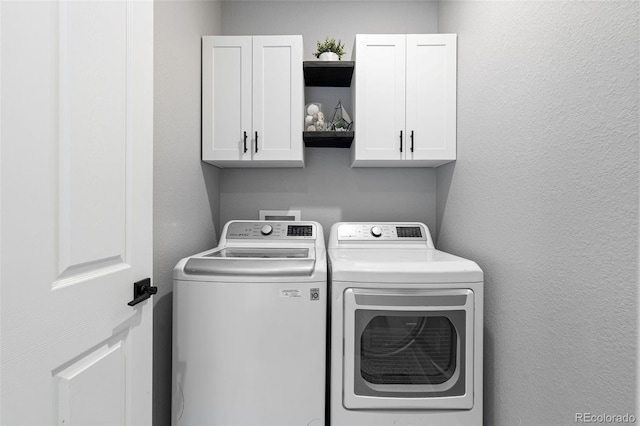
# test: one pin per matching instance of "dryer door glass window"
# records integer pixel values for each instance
(410, 354)
(408, 350)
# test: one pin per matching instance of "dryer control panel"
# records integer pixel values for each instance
(382, 231)
(271, 230)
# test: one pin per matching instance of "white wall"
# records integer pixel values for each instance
(316, 20)
(186, 191)
(544, 196)
(328, 190)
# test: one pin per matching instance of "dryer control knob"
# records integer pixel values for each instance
(376, 231)
(266, 230)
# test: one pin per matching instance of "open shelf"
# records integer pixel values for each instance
(328, 73)
(327, 139)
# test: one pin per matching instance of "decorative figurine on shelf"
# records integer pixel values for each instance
(330, 50)
(340, 122)
(314, 118)
(320, 122)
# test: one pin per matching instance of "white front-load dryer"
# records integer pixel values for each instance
(249, 328)
(406, 329)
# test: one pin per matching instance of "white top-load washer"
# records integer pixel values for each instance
(406, 329)
(249, 328)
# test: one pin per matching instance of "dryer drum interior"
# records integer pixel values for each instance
(408, 350)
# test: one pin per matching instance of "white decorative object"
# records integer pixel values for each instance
(329, 56)
(314, 118)
(313, 109)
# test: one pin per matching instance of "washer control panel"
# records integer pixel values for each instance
(381, 232)
(270, 230)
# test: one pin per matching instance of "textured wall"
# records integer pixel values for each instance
(544, 196)
(328, 190)
(316, 20)
(186, 191)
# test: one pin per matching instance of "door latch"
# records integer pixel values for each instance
(142, 290)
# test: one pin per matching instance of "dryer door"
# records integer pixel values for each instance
(408, 349)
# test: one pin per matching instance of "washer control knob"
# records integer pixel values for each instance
(376, 231)
(266, 230)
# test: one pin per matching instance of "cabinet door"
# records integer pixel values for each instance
(278, 99)
(380, 98)
(431, 97)
(226, 98)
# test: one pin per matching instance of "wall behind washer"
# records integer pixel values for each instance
(328, 190)
(186, 191)
(544, 196)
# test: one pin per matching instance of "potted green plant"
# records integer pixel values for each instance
(330, 50)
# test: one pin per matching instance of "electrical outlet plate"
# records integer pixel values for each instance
(280, 215)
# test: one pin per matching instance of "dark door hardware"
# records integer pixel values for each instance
(245, 141)
(400, 140)
(256, 142)
(412, 141)
(142, 290)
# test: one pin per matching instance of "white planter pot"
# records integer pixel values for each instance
(329, 56)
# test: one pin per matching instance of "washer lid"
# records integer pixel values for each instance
(254, 261)
(261, 253)
(401, 266)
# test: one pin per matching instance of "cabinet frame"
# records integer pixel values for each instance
(227, 88)
(431, 58)
(254, 120)
(405, 100)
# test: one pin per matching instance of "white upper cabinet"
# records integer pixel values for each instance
(380, 97)
(226, 98)
(405, 100)
(278, 99)
(252, 101)
(431, 97)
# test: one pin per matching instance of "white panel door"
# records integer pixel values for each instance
(380, 97)
(75, 210)
(431, 96)
(278, 98)
(226, 98)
